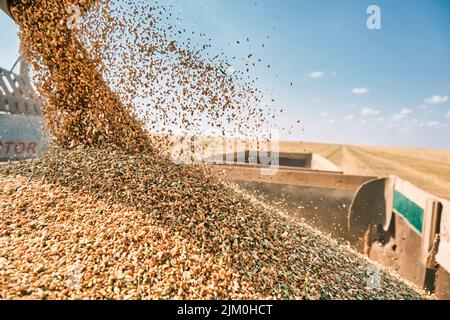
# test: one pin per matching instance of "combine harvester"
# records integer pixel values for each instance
(387, 218)
(22, 130)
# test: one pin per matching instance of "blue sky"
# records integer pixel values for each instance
(351, 84)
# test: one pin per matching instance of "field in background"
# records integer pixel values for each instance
(428, 169)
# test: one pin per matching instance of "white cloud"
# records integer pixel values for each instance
(360, 91)
(369, 111)
(429, 124)
(332, 121)
(316, 74)
(436, 100)
(432, 124)
(406, 111)
(402, 114)
(448, 115)
(324, 114)
(333, 74)
(350, 117)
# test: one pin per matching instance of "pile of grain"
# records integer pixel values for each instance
(104, 224)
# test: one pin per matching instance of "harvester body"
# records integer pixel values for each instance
(22, 129)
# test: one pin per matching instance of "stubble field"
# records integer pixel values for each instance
(428, 169)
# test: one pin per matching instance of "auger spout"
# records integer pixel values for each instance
(4, 6)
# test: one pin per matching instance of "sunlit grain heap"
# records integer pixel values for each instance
(124, 226)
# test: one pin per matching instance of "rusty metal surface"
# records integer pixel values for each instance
(443, 284)
(372, 205)
(259, 166)
(297, 160)
(322, 198)
(290, 176)
(322, 208)
(308, 161)
(402, 252)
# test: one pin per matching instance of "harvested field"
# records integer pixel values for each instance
(104, 224)
(427, 168)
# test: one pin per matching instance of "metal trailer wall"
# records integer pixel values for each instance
(443, 255)
(389, 219)
(406, 230)
(426, 216)
(310, 161)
